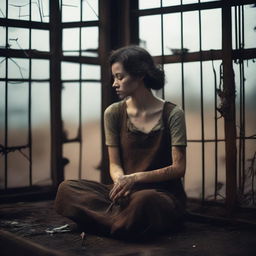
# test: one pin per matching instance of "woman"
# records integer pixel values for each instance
(146, 140)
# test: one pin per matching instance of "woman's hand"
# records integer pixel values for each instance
(122, 187)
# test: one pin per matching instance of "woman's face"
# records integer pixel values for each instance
(124, 84)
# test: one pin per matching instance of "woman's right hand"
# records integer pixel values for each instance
(122, 187)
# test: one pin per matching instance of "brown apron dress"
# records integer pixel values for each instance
(150, 209)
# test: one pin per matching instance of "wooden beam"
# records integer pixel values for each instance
(55, 95)
(229, 108)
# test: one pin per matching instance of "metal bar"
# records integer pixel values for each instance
(82, 59)
(29, 106)
(80, 100)
(23, 23)
(182, 63)
(230, 115)
(215, 133)
(18, 80)
(189, 7)
(207, 55)
(202, 106)
(80, 24)
(24, 53)
(162, 44)
(55, 96)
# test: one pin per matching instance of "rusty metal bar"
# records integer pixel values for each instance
(29, 106)
(202, 105)
(55, 96)
(230, 114)
(80, 24)
(190, 7)
(79, 135)
(23, 23)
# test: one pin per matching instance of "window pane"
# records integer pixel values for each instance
(2, 37)
(90, 71)
(18, 38)
(192, 99)
(40, 11)
(2, 112)
(90, 41)
(172, 32)
(171, 2)
(173, 87)
(69, 70)
(209, 101)
(91, 113)
(151, 43)
(90, 10)
(211, 29)
(71, 41)
(41, 133)
(2, 67)
(191, 31)
(17, 113)
(40, 40)
(18, 68)
(2, 9)
(18, 9)
(250, 26)
(70, 109)
(71, 10)
(40, 69)
(145, 4)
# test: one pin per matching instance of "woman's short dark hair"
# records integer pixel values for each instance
(138, 62)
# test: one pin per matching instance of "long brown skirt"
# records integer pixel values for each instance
(144, 214)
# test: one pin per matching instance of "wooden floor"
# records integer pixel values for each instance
(23, 232)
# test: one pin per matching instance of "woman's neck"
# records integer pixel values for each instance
(143, 100)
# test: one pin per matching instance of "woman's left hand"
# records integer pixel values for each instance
(122, 187)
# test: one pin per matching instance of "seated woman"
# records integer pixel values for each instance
(146, 140)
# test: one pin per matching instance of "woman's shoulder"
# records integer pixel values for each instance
(114, 108)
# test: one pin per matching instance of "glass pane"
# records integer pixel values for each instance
(71, 152)
(91, 113)
(18, 169)
(209, 99)
(193, 177)
(145, 4)
(2, 67)
(71, 41)
(18, 9)
(41, 133)
(172, 33)
(18, 68)
(90, 71)
(71, 10)
(173, 86)
(70, 109)
(189, 1)
(2, 9)
(191, 31)
(2, 112)
(192, 99)
(40, 11)
(90, 41)
(171, 2)
(69, 70)
(151, 43)
(250, 96)
(2, 37)
(40, 40)
(17, 113)
(90, 10)
(40, 69)
(211, 29)
(18, 38)
(249, 26)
